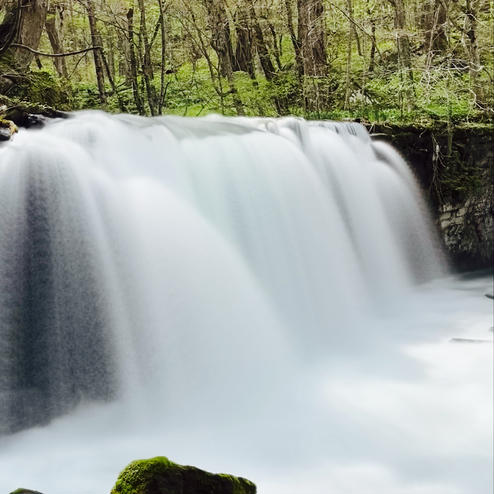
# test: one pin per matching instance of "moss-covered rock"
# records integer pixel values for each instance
(7, 129)
(161, 476)
(40, 87)
(16, 113)
(21, 490)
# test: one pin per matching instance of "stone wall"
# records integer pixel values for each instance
(455, 170)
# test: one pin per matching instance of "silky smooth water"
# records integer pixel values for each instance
(263, 297)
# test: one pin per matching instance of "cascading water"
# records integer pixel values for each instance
(203, 275)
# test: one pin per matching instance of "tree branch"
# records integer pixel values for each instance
(55, 55)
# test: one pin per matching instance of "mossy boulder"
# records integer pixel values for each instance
(161, 476)
(41, 88)
(15, 113)
(7, 129)
(24, 491)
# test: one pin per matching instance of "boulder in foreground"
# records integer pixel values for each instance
(21, 490)
(161, 476)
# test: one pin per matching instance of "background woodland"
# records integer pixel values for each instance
(378, 60)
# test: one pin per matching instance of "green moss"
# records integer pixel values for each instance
(8, 124)
(161, 476)
(240, 485)
(42, 88)
(139, 473)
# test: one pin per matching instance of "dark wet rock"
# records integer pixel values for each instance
(454, 166)
(32, 116)
(25, 114)
(161, 476)
(5, 134)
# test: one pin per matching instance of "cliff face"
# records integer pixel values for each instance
(455, 169)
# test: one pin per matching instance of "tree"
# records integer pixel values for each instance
(96, 41)
(53, 26)
(312, 40)
(23, 25)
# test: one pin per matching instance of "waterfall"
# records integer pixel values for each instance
(259, 296)
(195, 251)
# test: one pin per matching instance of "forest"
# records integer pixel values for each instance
(376, 60)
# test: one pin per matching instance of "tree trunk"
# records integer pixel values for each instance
(220, 34)
(294, 39)
(243, 60)
(402, 40)
(404, 52)
(96, 41)
(372, 55)
(147, 66)
(433, 22)
(24, 28)
(276, 45)
(471, 12)
(10, 24)
(261, 47)
(349, 55)
(161, 102)
(312, 38)
(55, 41)
(221, 44)
(133, 63)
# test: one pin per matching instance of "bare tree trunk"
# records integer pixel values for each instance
(349, 55)
(133, 63)
(261, 47)
(433, 22)
(294, 39)
(311, 35)
(402, 40)
(276, 46)
(471, 11)
(220, 34)
(55, 41)
(404, 52)
(161, 102)
(264, 57)
(147, 66)
(221, 43)
(372, 55)
(96, 41)
(243, 59)
(121, 104)
(24, 27)
(10, 24)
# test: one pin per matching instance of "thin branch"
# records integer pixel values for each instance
(355, 23)
(56, 55)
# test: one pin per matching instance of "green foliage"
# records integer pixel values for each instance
(367, 79)
(86, 96)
